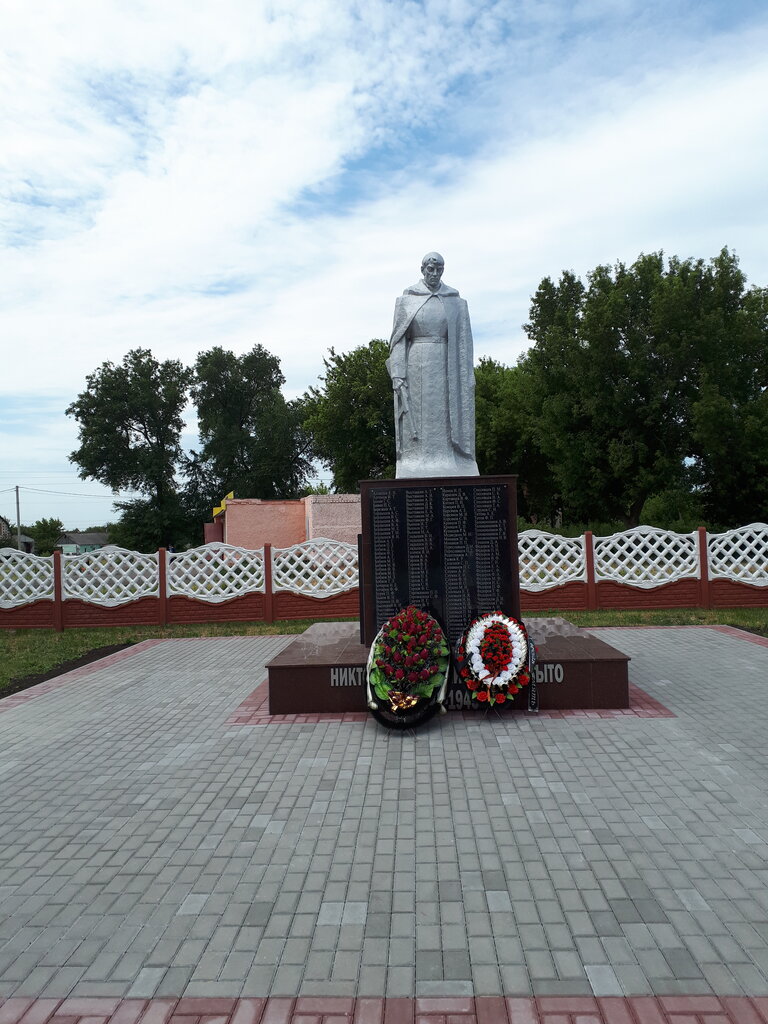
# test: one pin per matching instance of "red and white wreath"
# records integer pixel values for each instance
(493, 658)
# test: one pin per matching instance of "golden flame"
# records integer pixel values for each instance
(401, 701)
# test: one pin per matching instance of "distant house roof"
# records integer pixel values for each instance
(8, 536)
(83, 539)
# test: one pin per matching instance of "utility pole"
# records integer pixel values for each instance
(18, 521)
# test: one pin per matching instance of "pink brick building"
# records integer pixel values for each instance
(252, 522)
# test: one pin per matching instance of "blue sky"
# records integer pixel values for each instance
(181, 175)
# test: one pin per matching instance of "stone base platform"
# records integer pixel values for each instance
(576, 670)
(323, 670)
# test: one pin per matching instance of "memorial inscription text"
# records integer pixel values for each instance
(445, 549)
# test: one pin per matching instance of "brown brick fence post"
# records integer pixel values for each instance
(269, 597)
(58, 600)
(705, 590)
(162, 585)
(592, 603)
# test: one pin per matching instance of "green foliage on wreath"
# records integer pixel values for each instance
(382, 687)
(409, 645)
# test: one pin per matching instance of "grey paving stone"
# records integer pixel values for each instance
(515, 979)
(287, 980)
(632, 980)
(402, 952)
(330, 913)
(193, 904)
(146, 983)
(400, 981)
(446, 987)
(603, 980)
(486, 980)
(377, 925)
(319, 964)
(567, 842)
(429, 966)
(568, 964)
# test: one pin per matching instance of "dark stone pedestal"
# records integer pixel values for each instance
(576, 670)
(324, 670)
(448, 546)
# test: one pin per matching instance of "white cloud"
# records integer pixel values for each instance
(676, 168)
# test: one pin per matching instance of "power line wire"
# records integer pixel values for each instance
(22, 471)
(76, 494)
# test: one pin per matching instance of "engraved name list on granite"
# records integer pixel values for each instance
(458, 558)
(491, 537)
(448, 547)
(386, 525)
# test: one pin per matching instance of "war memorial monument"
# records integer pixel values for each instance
(441, 539)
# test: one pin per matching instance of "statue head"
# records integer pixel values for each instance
(432, 267)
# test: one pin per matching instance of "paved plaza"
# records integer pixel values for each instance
(153, 849)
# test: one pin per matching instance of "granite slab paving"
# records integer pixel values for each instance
(150, 851)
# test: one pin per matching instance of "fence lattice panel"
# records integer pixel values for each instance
(109, 576)
(216, 572)
(24, 578)
(318, 567)
(740, 555)
(647, 557)
(548, 560)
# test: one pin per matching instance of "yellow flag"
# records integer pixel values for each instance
(220, 508)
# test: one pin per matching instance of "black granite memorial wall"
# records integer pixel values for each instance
(448, 546)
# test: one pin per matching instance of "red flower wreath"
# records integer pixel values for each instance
(493, 658)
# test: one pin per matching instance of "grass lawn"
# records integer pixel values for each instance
(754, 619)
(25, 652)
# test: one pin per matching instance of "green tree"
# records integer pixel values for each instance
(319, 488)
(350, 417)
(137, 527)
(730, 408)
(130, 423)
(678, 509)
(621, 378)
(45, 533)
(505, 440)
(252, 439)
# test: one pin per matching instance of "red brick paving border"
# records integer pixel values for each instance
(255, 711)
(741, 634)
(697, 1009)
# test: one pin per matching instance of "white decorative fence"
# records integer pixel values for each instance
(215, 572)
(647, 557)
(548, 560)
(24, 578)
(109, 577)
(740, 555)
(320, 568)
(711, 569)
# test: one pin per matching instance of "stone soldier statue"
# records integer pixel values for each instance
(433, 378)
